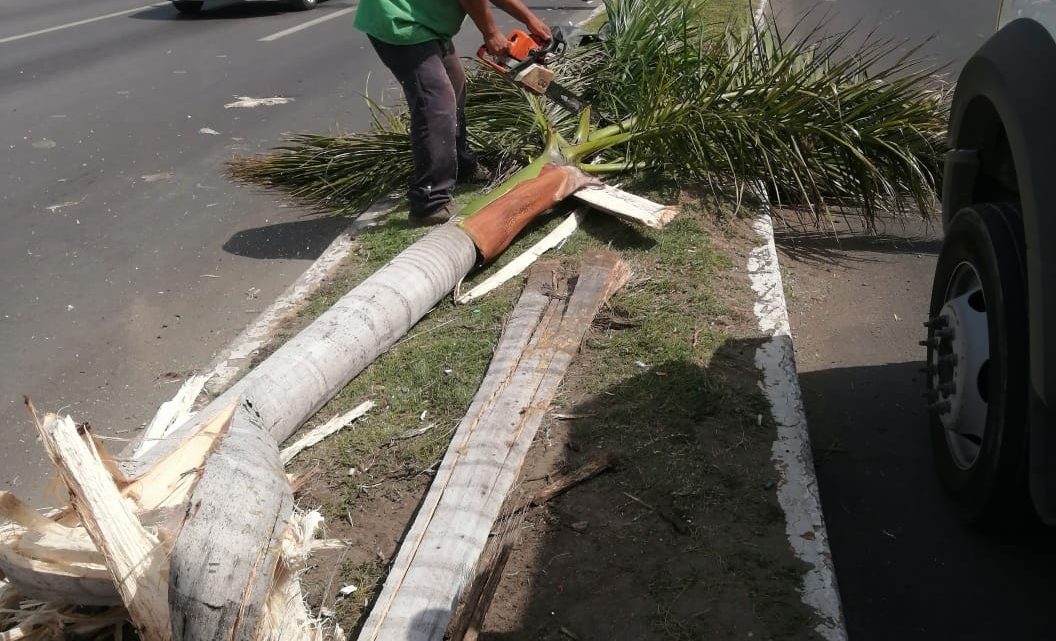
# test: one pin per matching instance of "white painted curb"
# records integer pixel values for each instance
(797, 489)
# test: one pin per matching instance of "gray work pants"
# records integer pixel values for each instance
(434, 85)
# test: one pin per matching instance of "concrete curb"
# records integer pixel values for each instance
(797, 490)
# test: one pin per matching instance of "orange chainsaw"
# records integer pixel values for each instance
(525, 64)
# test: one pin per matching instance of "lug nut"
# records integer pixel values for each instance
(929, 342)
(936, 321)
(948, 359)
(945, 332)
(948, 388)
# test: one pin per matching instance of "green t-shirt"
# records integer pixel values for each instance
(409, 22)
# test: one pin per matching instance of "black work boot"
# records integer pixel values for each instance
(438, 216)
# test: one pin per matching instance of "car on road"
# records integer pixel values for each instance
(991, 331)
(192, 7)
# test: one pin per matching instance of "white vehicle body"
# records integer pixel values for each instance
(1041, 11)
(991, 358)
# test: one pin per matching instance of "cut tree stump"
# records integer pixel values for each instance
(443, 545)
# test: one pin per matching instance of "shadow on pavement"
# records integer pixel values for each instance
(907, 567)
(801, 240)
(829, 248)
(306, 238)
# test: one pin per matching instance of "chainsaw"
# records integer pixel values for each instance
(525, 63)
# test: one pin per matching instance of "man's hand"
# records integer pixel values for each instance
(539, 29)
(497, 44)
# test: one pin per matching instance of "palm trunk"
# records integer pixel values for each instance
(224, 554)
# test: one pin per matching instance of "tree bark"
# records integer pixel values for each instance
(225, 557)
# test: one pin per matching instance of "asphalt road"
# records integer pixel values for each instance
(127, 259)
(906, 567)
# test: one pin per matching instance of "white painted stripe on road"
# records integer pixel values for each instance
(70, 25)
(310, 23)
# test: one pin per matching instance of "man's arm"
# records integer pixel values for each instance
(495, 40)
(525, 16)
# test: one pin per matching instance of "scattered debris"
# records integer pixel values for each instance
(409, 434)
(208, 131)
(588, 470)
(44, 143)
(332, 426)
(153, 178)
(346, 591)
(245, 102)
(69, 203)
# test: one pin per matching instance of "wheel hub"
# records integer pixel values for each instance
(959, 365)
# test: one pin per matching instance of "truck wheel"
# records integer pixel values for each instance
(977, 368)
(303, 5)
(187, 7)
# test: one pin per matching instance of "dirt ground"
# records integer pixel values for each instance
(682, 539)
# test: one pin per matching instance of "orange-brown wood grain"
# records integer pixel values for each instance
(495, 226)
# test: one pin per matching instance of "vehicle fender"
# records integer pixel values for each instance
(1015, 74)
(1013, 77)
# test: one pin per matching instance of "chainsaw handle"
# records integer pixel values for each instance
(489, 60)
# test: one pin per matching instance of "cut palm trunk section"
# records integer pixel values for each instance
(611, 200)
(494, 227)
(58, 560)
(442, 547)
(177, 547)
(627, 206)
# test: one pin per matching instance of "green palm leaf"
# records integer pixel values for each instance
(684, 101)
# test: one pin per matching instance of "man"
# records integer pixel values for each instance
(413, 39)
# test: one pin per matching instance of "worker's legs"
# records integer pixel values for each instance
(467, 160)
(434, 109)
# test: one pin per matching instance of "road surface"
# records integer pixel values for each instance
(907, 568)
(127, 259)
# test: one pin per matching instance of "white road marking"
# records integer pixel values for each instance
(310, 23)
(70, 25)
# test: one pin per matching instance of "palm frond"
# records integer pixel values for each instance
(818, 122)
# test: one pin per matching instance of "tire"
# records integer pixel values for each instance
(302, 5)
(977, 365)
(187, 7)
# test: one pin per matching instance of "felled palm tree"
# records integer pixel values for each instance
(817, 125)
(679, 103)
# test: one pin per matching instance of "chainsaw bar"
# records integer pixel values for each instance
(565, 99)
